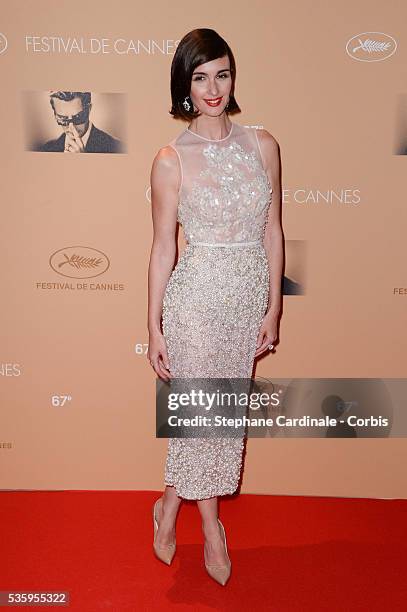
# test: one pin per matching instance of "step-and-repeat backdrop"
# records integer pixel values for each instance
(328, 80)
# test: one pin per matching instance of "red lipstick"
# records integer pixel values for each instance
(214, 101)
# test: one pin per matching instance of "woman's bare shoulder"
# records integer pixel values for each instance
(166, 157)
(165, 169)
(267, 139)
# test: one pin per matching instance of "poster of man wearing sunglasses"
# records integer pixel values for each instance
(71, 111)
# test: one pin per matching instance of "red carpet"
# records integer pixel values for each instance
(288, 553)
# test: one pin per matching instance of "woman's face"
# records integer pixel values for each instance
(210, 86)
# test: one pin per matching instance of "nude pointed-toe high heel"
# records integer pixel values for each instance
(220, 573)
(164, 553)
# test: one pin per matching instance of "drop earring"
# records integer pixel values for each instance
(187, 103)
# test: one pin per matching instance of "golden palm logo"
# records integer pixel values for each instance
(79, 262)
(371, 46)
(3, 43)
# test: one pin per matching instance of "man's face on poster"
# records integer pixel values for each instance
(72, 111)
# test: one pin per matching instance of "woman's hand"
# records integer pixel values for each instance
(158, 356)
(267, 333)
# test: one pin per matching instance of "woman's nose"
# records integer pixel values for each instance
(213, 90)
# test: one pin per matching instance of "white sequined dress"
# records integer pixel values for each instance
(217, 294)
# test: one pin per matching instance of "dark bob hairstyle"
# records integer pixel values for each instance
(196, 48)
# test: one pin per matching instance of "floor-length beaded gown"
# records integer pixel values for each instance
(217, 294)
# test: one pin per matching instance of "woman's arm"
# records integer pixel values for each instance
(273, 239)
(165, 181)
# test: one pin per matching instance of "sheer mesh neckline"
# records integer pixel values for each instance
(211, 139)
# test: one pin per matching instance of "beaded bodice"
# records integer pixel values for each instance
(225, 192)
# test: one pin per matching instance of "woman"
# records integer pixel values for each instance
(220, 305)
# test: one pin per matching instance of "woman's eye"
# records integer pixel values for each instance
(199, 78)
